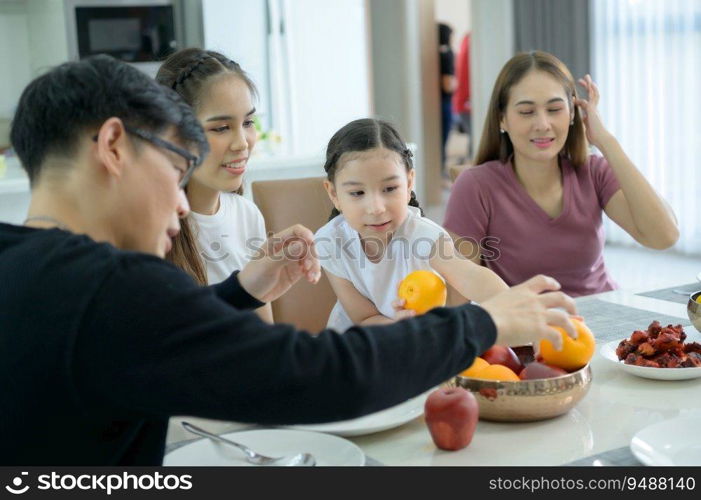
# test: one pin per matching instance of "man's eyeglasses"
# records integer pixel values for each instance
(192, 161)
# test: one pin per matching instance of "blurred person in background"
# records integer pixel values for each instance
(447, 84)
(461, 98)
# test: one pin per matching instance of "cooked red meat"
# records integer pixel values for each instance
(638, 337)
(638, 360)
(667, 360)
(646, 349)
(659, 347)
(692, 347)
(667, 341)
(693, 360)
(654, 328)
(625, 348)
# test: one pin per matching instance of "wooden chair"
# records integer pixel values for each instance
(283, 204)
(455, 170)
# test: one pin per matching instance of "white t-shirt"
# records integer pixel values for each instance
(228, 239)
(341, 253)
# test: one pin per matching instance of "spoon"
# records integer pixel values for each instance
(301, 459)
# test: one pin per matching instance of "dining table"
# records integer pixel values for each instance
(597, 431)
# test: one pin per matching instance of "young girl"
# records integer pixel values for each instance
(223, 227)
(537, 190)
(377, 234)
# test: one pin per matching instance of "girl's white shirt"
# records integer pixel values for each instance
(227, 240)
(341, 253)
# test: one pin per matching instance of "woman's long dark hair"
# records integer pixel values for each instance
(187, 71)
(362, 135)
(497, 146)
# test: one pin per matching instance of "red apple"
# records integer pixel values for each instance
(540, 370)
(502, 355)
(451, 416)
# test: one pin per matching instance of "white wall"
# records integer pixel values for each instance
(456, 14)
(32, 38)
(405, 77)
(14, 55)
(48, 43)
(238, 30)
(329, 85)
(492, 45)
(319, 79)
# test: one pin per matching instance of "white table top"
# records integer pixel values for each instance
(616, 407)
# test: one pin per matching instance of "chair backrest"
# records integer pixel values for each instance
(283, 204)
(455, 170)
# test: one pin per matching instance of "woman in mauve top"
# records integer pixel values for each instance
(533, 202)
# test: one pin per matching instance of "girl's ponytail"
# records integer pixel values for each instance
(413, 202)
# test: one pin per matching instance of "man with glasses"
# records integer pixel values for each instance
(101, 340)
(191, 161)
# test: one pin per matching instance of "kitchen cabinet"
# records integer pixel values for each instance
(15, 195)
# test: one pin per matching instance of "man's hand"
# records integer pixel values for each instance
(282, 260)
(525, 314)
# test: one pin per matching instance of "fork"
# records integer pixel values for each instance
(301, 459)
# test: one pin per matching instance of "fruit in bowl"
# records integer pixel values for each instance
(502, 355)
(537, 370)
(497, 372)
(540, 391)
(422, 291)
(475, 367)
(575, 353)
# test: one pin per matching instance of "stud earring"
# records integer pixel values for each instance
(502, 131)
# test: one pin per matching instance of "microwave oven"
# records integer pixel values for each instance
(140, 32)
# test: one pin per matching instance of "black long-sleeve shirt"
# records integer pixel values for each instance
(99, 347)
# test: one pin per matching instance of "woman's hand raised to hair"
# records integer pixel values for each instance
(281, 262)
(595, 129)
(525, 313)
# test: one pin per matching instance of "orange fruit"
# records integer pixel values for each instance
(477, 365)
(575, 353)
(497, 372)
(422, 290)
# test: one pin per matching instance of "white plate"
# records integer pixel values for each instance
(671, 442)
(374, 422)
(608, 351)
(328, 450)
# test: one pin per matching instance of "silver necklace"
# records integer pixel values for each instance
(46, 218)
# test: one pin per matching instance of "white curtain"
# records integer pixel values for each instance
(647, 63)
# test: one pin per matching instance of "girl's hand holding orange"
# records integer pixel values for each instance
(422, 290)
(400, 311)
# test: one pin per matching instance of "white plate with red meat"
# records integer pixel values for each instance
(658, 352)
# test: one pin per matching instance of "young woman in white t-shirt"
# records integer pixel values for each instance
(377, 234)
(223, 229)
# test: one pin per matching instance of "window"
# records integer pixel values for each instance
(647, 57)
